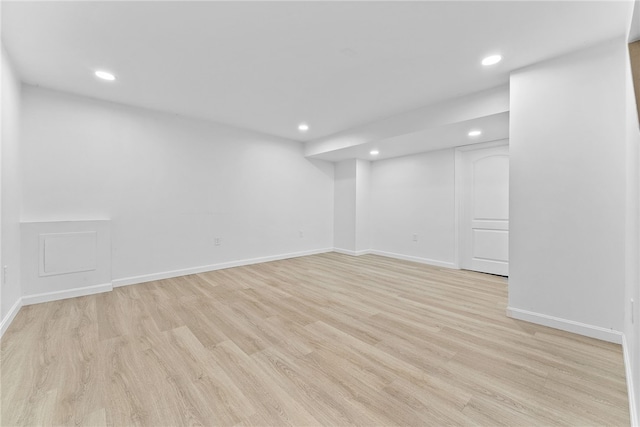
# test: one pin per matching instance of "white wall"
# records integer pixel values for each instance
(352, 207)
(415, 195)
(567, 189)
(632, 283)
(363, 205)
(11, 190)
(344, 214)
(170, 185)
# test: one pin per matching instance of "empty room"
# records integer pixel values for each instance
(371, 213)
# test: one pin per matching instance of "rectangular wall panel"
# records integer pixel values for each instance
(62, 259)
(63, 253)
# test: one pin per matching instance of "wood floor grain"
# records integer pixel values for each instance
(321, 340)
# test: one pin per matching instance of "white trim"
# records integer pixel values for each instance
(481, 145)
(58, 221)
(428, 261)
(10, 316)
(344, 251)
(126, 281)
(633, 411)
(67, 293)
(350, 252)
(592, 331)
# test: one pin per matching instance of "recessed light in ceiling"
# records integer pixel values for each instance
(491, 60)
(475, 133)
(303, 127)
(374, 152)
(105, 75)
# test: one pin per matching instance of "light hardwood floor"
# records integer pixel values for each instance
(321, 340)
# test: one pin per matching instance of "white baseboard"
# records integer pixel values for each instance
(633, 410)
(420, 260)
(67, 293)
(350, 252)
(597, 332)
(212, 267)
(10, 316)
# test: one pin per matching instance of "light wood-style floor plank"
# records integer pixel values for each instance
(327, 339)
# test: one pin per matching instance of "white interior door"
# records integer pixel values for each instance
(485, 210)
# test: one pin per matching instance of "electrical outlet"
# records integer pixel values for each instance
(415, 237)
(301, 234)
(216, 241)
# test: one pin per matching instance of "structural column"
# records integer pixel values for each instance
(352, 201)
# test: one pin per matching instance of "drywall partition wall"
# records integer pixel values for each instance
(632, 282)
(65, 259)
(413, 207)
(344, 220)
(183, 195)
(363, 206)
(352, 201)
(11, 194)
(567, 192)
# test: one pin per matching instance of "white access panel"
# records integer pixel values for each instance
(62, 259)
(63, 253)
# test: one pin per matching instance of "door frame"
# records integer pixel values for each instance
(458, 191)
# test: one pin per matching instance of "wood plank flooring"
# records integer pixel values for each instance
(321, 340)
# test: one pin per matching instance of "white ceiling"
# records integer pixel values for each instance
(267, 66)
(494, 127)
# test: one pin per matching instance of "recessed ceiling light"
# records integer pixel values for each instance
(475, 133)
(491, 60)
(105, 75)
(303, 127)
(374, 152)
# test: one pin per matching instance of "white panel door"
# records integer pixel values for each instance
(485, 210)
